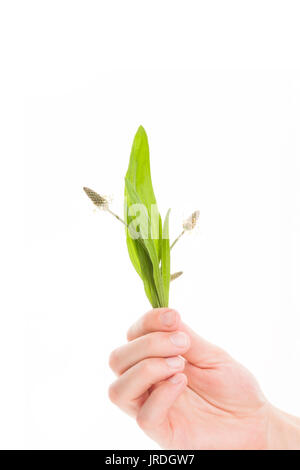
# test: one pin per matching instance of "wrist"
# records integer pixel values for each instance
(283, 431)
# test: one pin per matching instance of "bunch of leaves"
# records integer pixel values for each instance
(149, 252)
(148, 240)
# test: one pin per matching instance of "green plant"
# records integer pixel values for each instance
(147, 237)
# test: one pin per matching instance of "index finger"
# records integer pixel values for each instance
(201, 353)
(158, 319)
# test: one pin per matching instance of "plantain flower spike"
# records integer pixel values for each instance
(176, 275)
(191, 222)
(102, 203)
(99, 201)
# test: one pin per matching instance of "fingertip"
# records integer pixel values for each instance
(178, 379)
(169, 319)
(181, 340)
(157, 319)
(154, 412)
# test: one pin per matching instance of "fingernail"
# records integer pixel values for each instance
(176, 379)
(175, 362)
(180, 339)
(168, 318)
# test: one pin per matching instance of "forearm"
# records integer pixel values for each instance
(284, 431)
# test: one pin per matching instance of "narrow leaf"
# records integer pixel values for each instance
(165, 258)
(139, 175)
(149, 245)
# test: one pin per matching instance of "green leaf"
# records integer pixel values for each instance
(133, 255)
(133, 197)
(146, 247)
(139, 175)
(139, 255)
(147, 275)
(165, 258)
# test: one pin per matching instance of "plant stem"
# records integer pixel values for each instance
(117, 217)
(176, 239)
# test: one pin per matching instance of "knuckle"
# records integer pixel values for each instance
(156, 342)
(149, 341)
(129, 335)
(113, 359)
(141, 326)
(113, 394)
(142, 422)
(147, 367)
(144, 322)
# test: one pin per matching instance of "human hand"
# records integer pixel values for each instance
(186, 393)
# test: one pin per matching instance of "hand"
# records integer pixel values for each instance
(186, 393)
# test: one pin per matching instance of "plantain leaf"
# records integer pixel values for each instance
(147, 275)
(139, 255)
(149, 252)
(143, 264)
(133, 198)
(139, 175)
(165, 258)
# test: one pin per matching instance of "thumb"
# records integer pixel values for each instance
(202, 353)
(152, 417)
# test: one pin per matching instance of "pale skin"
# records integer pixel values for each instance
(186, 393)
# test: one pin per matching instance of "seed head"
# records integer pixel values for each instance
(176, 275)
(99, 201)
(191, 222)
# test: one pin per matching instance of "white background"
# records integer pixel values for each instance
(217, 87)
